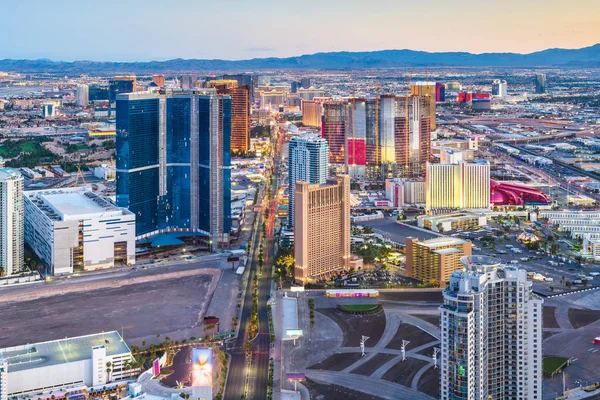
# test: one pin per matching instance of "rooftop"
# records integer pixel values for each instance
(442, 242)
(9, 173)
(45, 354)
(72, 204)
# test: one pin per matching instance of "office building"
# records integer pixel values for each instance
(465, 185)
(74, 230)
(491, 334)
(307, 160)
(433, 261)
(294, 86)
(333, 129)
(158, 80)
(11, 221)
(402, 192)
(60, 365)
(540, 83)
(429, 90)
(83, 95)
(174, 161)
(311, 113)
(499, 88)
(404, 135)
(305, 83)
(321, 229)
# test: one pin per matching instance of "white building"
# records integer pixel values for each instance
(402, 192)
(491, 334)
(106, 172)
(40, 367)
(310, 93)
(74, 229)
(499, 88)
(308, 158)
(465, 185)
(11, 221)
(83, 97)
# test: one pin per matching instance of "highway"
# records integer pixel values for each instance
(249, 381)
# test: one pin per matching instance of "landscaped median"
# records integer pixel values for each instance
(554, 365)
(360, 309)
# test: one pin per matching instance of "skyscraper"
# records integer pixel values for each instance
(372, 151)
(333, 129)
(83, 96)
(321, 229)
(540, 83)
(465, 185)
(159, 80)
(311, 113)
(404, 135)
(356, 132)
(119, 85)
(240, 111)
(173, 161)
(11, 221)
(307, 160)
(427, 89)
(243, 80)
(491, 333)
(499, 88)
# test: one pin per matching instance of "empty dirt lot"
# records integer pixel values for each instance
(170, 302)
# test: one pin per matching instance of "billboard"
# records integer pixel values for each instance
(202, 368)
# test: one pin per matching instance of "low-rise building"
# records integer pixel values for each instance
(451, 222)
(106, 172)
(402, 192)
(435, 260)
(74, 229)
(32, 369)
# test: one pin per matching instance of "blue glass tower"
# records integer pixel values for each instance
(174, 161)
(138, 158)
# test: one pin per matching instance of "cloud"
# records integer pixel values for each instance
(261, 49)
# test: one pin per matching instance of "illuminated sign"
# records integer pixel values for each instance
(156, 367)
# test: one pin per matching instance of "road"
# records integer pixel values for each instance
(243, 382)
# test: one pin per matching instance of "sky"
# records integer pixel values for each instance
(144, 30)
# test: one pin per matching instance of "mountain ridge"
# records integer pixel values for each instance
(340, 60)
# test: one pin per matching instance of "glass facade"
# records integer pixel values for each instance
(137, 160)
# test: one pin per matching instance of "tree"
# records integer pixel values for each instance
(569, 284)
(440, 227)
(143, 343)
(108, 370)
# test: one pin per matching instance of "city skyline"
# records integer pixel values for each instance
(492, 28)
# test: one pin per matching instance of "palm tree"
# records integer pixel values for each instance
(143, 343)
(158, 337)
(108, 370)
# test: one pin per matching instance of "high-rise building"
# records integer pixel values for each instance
(333, 129)
(402, 192)
(83, 96)
(307, 161)
(356, 133)
(98, 92)
(187, 81)
(491, 334)
(465, 185)
(540, 83)
(174, 161)
(159, 80)
(372, 151)
(294, 86)
(48, 110)
(305, 83)
(433, 261)
(404, 135)
(11, 222)
(240, 111)
(427, 89)
(321, 229)
(243, 80)
(499, 88)
(311, 113)
(440, 92)
(119, 85)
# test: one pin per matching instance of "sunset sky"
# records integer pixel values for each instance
(142, 30)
